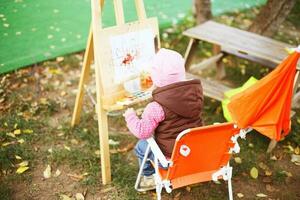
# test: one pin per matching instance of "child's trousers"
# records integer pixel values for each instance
(140, 149)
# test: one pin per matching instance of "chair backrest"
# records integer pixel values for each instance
(199, 152)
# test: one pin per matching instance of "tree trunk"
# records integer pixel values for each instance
(202, 10)
(271, 16)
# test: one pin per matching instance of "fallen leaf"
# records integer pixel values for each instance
(188, 188)
(79, 196)
(43, 101)
(67, 147)
(18, 157)
(288, 174)
(17, 132)
(74, 141)
(60, 134)
(261, 195)
(64, 197)
(75, 177)
(263, 166)
(239, 195)
(297, 150)
(21, 141)
(273, 158)
(289, 147)
(27, 131)
(7, 143)
(11, 135)
(22, 169)
(113, 151)
(254, 172)
(57, 173)
(295, 159)
(238, 160)
(127, 148)
(97, 152)
(268, 173)
(60, 59)
(55, 71)
(47, 172)
(63, 93)
(23, 164)
(113, 142)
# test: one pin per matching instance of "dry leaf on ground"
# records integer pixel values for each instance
(254, 172)
(239, 195)
(23, 164)
(65, 197)
(261, 195)
(21, 169)
(27, 131)
(113, 142)
(67, 147)
(295, 159)
(47, 172)
(57, 173)
(238, 160)
(79, 196)
(17, 132)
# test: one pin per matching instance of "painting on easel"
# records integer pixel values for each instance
(131, 53)
(125, 54)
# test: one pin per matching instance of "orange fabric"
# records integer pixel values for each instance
(209, 146)
(192, 179)
(266, 105)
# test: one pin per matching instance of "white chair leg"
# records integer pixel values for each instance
(136, 186)
(158, 181)
(230, 189)
(158, 190)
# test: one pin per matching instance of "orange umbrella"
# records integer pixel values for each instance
(266, 105)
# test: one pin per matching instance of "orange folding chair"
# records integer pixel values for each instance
(200, 154)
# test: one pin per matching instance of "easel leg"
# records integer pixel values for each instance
(220, 67)
(104, 145)
(189, 53)
(87, 60)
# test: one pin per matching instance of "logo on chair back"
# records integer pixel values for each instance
(184, 150)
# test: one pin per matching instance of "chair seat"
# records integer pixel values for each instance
(187, 180)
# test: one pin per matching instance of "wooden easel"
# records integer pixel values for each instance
(94, 46)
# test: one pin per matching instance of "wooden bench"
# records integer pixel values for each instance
(229, 40)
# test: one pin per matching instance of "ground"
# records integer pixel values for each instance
(36, 105)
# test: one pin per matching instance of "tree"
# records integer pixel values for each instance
(271, 16)
(202, 10)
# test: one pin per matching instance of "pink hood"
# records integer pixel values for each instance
(167, 68)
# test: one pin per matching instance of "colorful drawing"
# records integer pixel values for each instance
(131, 54)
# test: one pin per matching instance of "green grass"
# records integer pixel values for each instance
(5, 191)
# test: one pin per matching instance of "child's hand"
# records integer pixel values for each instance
(128, 112)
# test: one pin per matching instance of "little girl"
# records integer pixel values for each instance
(176, 106)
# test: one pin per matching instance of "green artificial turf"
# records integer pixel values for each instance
(35, 30)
